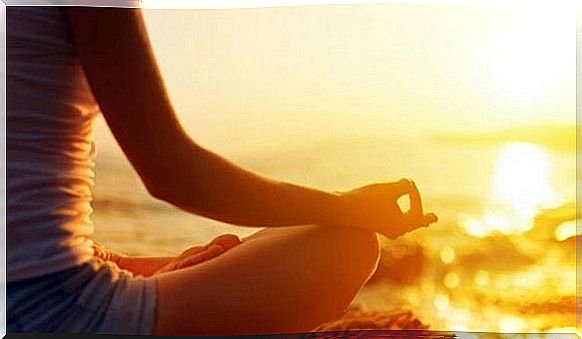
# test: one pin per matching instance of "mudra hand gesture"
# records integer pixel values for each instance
(375, 207)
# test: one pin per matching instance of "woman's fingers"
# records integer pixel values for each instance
(401, 187)
(227, 241)
(429, 218)
(193, 256)
(211, 252)
(197, 254)
(414, 221)
(191, 251)
(415, 216)
(415, 201)
(376, 207)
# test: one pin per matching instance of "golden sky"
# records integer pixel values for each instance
(243, 78)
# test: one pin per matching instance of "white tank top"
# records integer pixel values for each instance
(49, 145)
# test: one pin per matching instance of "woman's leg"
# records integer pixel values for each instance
(278, 281)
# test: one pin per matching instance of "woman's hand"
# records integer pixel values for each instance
(147, 266)
(199, 254)
(375, 207)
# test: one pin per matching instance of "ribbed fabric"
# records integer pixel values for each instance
(55, 283)
(50, 115)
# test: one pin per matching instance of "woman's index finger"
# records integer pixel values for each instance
(415, 201)
(400, 188)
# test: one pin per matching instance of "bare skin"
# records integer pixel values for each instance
(319, 248)
(148, 266)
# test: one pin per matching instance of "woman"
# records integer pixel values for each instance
(64, 66)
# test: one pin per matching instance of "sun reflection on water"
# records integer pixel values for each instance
(566, 230)
(520, 186)
(502, 261)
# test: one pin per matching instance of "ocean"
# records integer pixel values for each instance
(501, 258)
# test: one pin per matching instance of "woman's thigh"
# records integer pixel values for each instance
(279, 280)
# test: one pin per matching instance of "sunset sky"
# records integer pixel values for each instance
(245, 78)
(476, 103)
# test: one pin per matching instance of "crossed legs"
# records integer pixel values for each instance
(279, 280)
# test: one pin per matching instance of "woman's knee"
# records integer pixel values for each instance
(351, 257)
(360, 249)
(270, 283)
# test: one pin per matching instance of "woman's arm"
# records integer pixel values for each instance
(115, 51)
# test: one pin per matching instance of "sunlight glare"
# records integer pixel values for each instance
(447, 255)
(520, 186)
(502, 281)
(566, 230)
(522, 178)
(441, 302)
(452, 280)
(511, 324)
(532, 52)
(459, 320)
(482, 278)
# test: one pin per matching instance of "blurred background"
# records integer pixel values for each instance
(475, 103)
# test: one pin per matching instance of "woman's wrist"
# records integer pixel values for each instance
(342, 211)
(333, 210)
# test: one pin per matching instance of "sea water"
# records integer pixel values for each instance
(478, 272)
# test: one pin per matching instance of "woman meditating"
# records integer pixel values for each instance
(67, 65)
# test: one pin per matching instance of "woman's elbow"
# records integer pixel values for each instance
(175, 195)
(158, 191)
